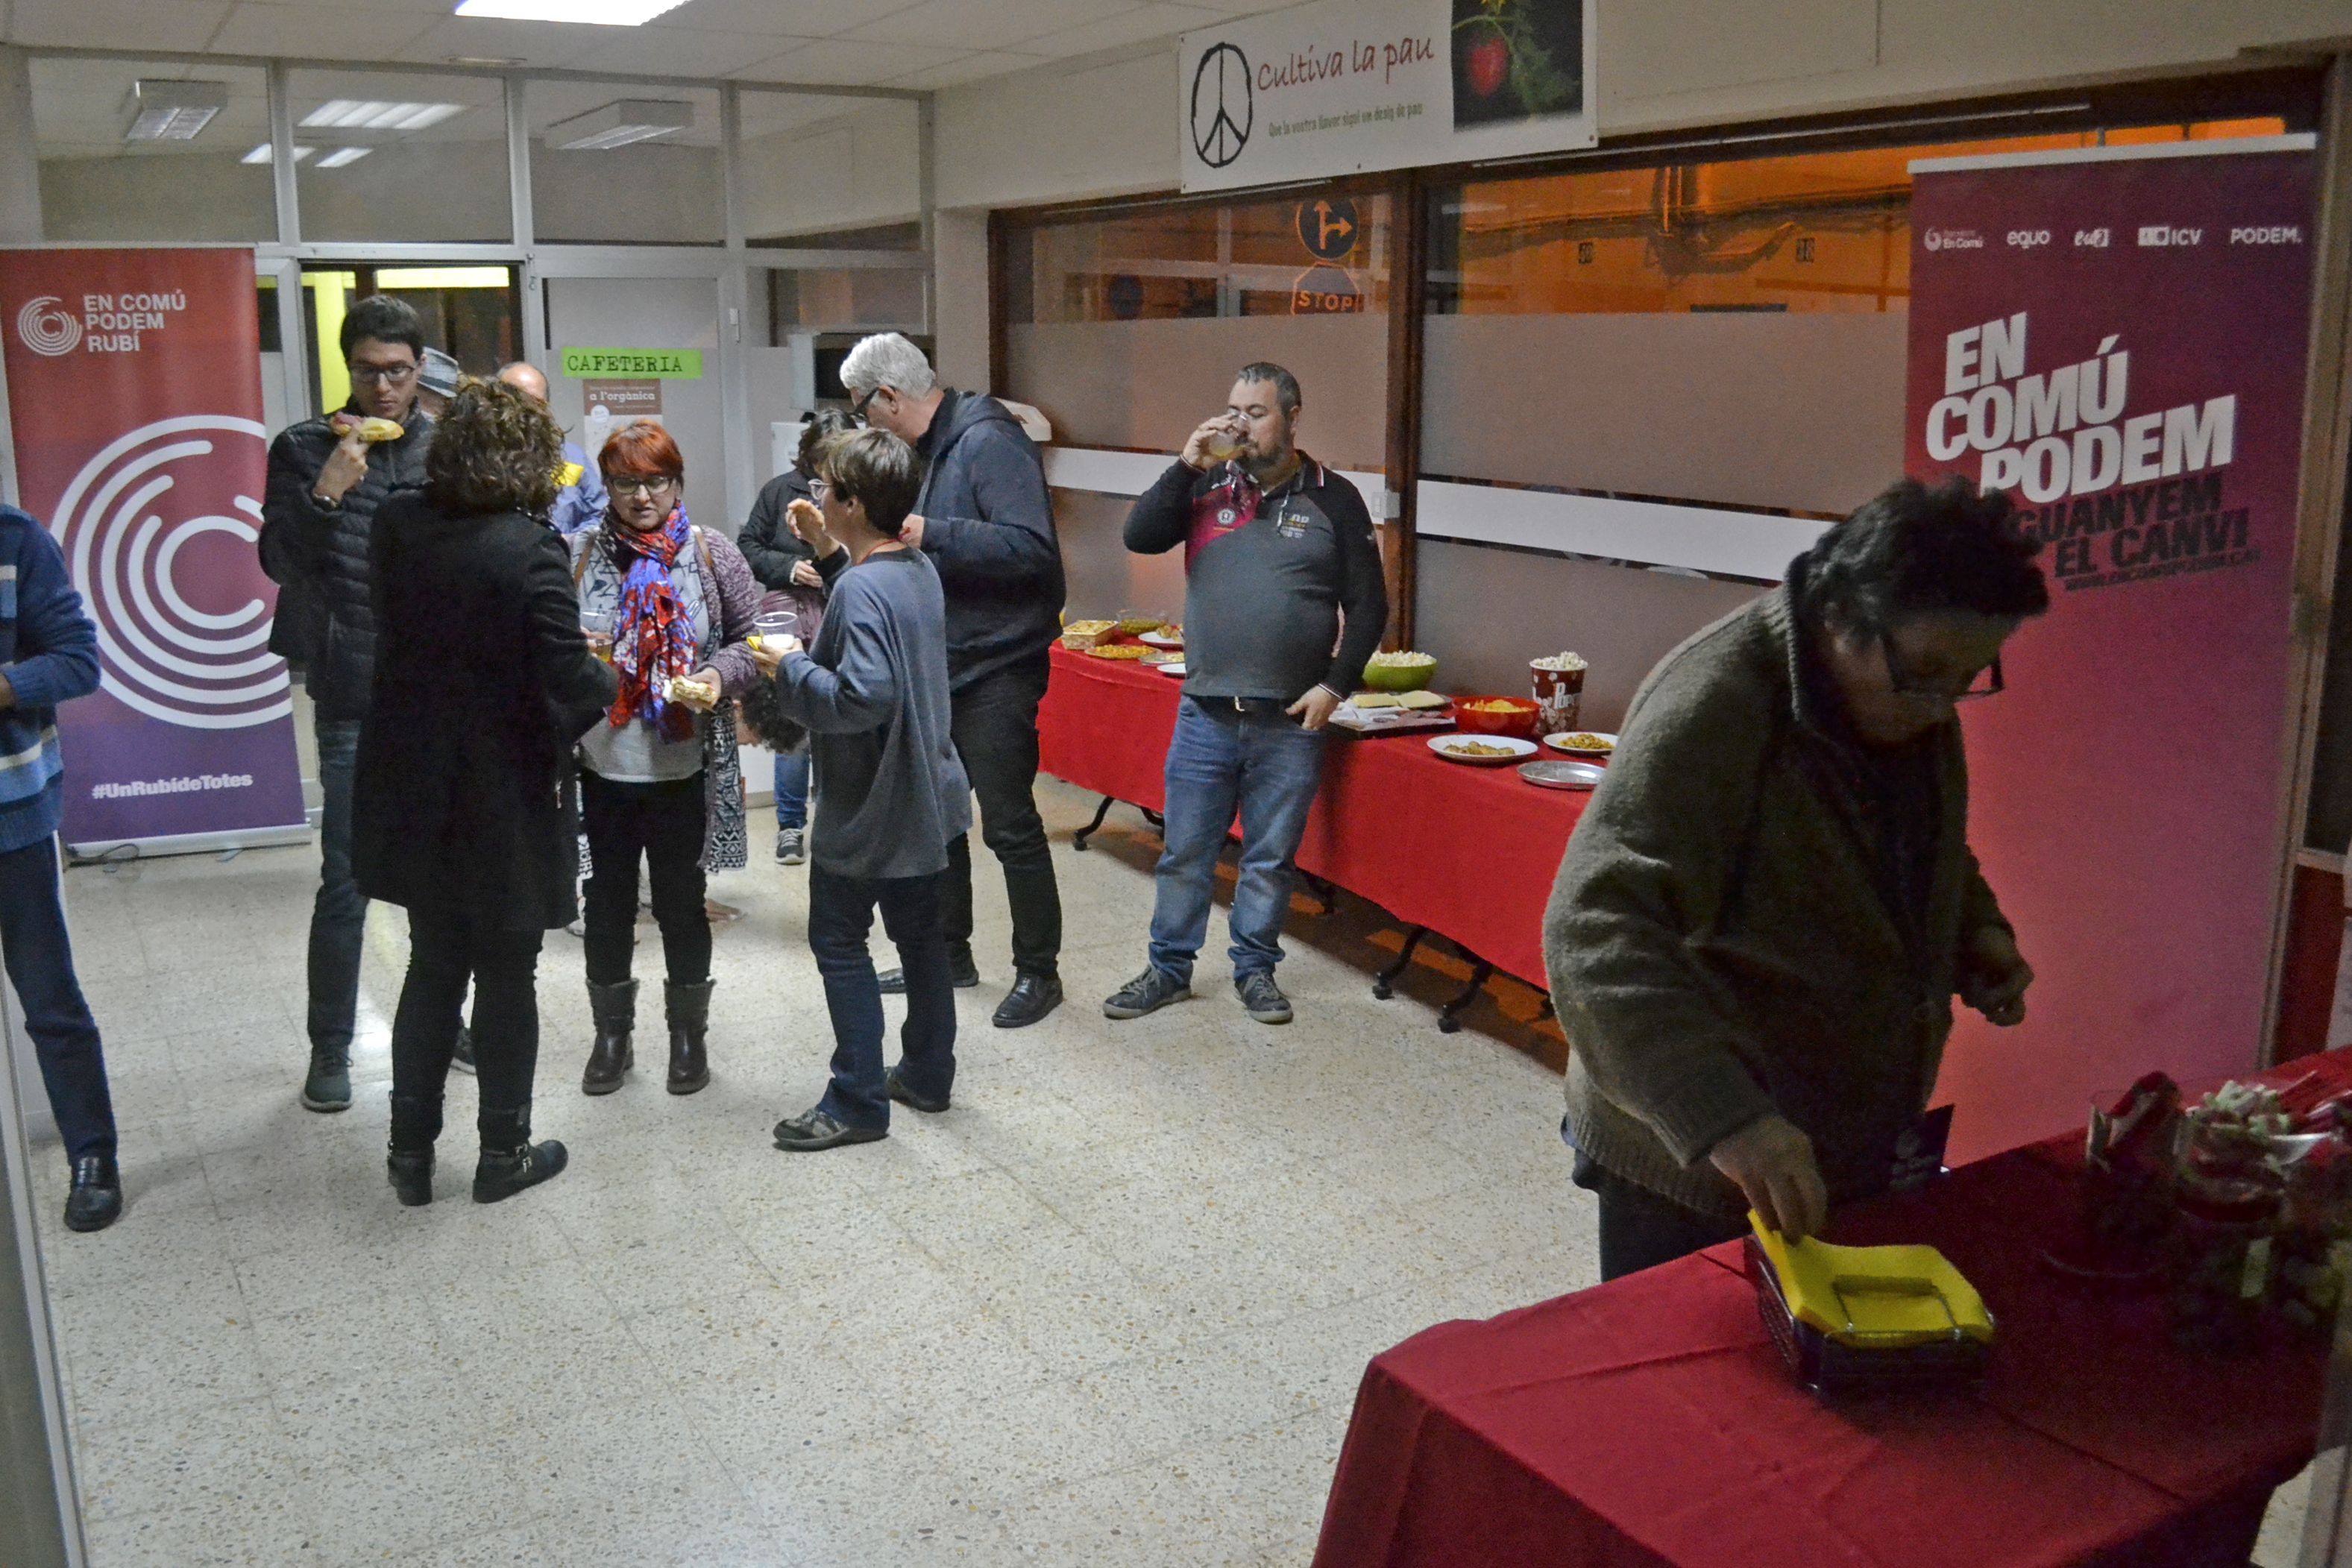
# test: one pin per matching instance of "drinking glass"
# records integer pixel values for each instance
(597, 625)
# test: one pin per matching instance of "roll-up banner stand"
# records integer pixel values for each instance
(2118, 337)
(134, 408)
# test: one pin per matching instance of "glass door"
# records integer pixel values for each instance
(626, 349)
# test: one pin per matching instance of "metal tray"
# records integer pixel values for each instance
(1554, 774)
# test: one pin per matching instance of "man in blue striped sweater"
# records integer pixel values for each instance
(48, 654)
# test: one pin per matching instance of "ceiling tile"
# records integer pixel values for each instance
(972, 67)
(357, 33)
(679, 51)
(847, 63)
(1002, 25)
(797, 18)
(166, 24)
(490, 38)
(1135, 26)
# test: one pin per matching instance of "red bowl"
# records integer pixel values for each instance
(1520, 721)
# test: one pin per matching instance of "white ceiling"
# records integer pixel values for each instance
(916, 43)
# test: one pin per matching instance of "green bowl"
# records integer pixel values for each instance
(1400, 678)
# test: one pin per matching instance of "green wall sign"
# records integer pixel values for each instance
(668, 364)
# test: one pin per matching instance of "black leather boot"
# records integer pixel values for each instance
(510, 1161)
(615, 1008)
(408, 1154)
(95, 1200)
(688, 1011)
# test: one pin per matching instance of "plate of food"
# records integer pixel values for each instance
(1582, 742)
(1166, 637)
(1133, 650)
(1173, 668)
(1164, 656)
(1552, 774)
(1482, 751)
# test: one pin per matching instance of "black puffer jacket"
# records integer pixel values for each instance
(320, 556)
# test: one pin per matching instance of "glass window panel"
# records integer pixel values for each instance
(840, 299)
(820, 166)
(625, 163)
(401, 157)
(101, 182)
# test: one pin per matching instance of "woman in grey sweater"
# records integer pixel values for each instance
(891, 792)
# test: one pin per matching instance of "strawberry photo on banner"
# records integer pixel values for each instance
(1516, 60)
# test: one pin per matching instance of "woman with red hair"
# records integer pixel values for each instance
(672, 604)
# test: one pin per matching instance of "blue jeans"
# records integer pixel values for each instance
(339, 915)
(792, 788)
(840, 913)
(1263, 767)
(39, 960)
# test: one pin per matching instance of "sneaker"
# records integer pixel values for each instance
(1146, 993)
(964, 974)
(1262, 997)
(462, 1059)
(817, 1128)
(792, 846)
(329, 1085)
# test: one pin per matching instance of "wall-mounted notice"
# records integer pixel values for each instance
(1345, 85)
(621, 400)
(668, 364)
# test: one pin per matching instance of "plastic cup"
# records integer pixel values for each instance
(597, 627)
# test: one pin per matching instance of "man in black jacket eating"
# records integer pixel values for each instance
(984, 520)
(327, 476)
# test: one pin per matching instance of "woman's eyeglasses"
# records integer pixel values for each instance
(819, 490)
(634, 486)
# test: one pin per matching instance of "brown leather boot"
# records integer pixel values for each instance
(615, 1008)
(689, 1010)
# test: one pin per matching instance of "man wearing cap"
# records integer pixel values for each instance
(580, 490)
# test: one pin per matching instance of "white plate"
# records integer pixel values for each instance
(1554, 742)
(1176, 669)
(1160, 640)
(1444, 744)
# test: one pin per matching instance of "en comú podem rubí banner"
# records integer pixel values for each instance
(2116, 337)
(134, 405)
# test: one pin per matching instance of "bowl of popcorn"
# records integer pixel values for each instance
(1398, 672)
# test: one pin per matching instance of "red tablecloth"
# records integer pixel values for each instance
(1468, 852)
(1649, 1421)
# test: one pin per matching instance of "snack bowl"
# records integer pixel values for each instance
(1403, 673)
(1497, 715)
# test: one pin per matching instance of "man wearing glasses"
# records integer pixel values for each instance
(1761, 921)
(326, 480)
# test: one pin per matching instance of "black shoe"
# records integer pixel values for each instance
(411, 1174)
(895, 1087)
(462, 1059)
(816, 1128)
(328, 1087)
(1262, 997)
(963, 974)
(1146, 993)
(686, 1009)
(95, 1200)
(1030, 999)
(502, 1174)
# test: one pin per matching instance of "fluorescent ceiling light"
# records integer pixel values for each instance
(261, 154)
(377, 114)
(619, 124)
(172, 110)
(600, 13)
(343, 155)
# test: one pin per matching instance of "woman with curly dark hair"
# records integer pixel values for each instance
(461, 809)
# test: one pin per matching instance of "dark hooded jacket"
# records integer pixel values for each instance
(988, 526)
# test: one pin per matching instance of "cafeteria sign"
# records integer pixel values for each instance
(668, 364)
(1344, 85)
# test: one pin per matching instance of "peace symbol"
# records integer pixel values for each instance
(1217, 137)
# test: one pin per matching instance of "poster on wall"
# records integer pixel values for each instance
(1341, 87)
(134, 409)
(2116, 337)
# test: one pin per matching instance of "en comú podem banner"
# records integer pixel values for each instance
(134, 405)
(1344, 85)
(2115, 336)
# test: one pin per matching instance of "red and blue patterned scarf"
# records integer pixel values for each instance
(653, 633)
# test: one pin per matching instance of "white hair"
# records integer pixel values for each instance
(887, 359)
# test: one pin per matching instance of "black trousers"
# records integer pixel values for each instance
(663, 822)
(39, 959)
(446, 949)
(994, 723)
(1639, 1229)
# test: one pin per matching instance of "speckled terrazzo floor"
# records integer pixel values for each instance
(1110, 1309)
